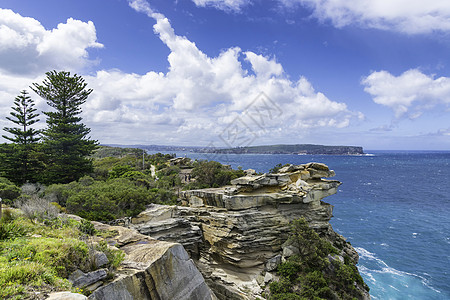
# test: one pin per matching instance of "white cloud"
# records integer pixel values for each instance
(227, 5)
(408, 16)
(194, 101)
(199, 96)
(410, 93)
(26, 47)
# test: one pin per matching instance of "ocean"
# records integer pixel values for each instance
(394, 209)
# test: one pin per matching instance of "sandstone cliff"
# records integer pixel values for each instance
(152, 269)
(237, 234)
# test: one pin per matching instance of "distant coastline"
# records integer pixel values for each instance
(300, 149)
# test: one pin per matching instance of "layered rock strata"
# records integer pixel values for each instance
(152, 269)
(237, 234)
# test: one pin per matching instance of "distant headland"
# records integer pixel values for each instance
(301, 149)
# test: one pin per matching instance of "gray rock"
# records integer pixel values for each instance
(157, 270)
(100, 259)
(273, 263)
(290, 250)
(250, 172)
(94, 286)
(81, 279)
(268, 278)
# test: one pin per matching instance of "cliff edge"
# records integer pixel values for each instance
(238, 235)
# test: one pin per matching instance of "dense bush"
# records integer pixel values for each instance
(105, 201)
(59, 193)
(309, 275)
(118, 170)
(212, 174)
(8, 190)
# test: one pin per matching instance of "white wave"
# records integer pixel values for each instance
(393, 287)
(386, 269)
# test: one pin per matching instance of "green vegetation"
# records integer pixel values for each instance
(119, 187)
(317, 272)
(22, 162)
(8, 190)
(39, 256)
(293, 149)
(212, 174)
(97, 183)
(65, 140)
(60, 152)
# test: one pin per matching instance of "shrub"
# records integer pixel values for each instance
(289, 270)
(8, 190)
(106, 201)
(86, 180)
(59, 193)
(86, 227)
(213, 174)
(32, 189)
(314, 286)
(307, 275)
(119, 170)
(37, 208)
(282, 286)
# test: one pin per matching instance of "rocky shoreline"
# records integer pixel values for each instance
(225, 243)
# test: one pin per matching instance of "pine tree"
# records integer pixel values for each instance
(20, 164)
(65, 142)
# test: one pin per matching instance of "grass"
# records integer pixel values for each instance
(40, 256)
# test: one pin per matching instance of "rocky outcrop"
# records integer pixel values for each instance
(152, 269)
(237, 234)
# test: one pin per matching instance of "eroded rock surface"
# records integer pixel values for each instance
(236, 232)
(152, 269)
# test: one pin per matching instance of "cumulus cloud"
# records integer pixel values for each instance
(26, 47)
(410, 93)
(226, 5)
(195, 101)
(407, 16)
(199, 96)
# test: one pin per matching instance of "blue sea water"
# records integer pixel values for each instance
(393, 207)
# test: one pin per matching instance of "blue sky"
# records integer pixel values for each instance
(204, 72)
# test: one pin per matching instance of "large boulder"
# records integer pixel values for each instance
(152, 269)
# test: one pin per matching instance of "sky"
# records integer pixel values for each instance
(231, 73)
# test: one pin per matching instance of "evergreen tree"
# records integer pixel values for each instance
(65, 142)
(20, 162)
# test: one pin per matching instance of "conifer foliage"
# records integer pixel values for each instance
(65, 140)
(21, 161)
(24, 116)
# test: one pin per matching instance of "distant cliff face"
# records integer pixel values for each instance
(291, 149)
(237, 234)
